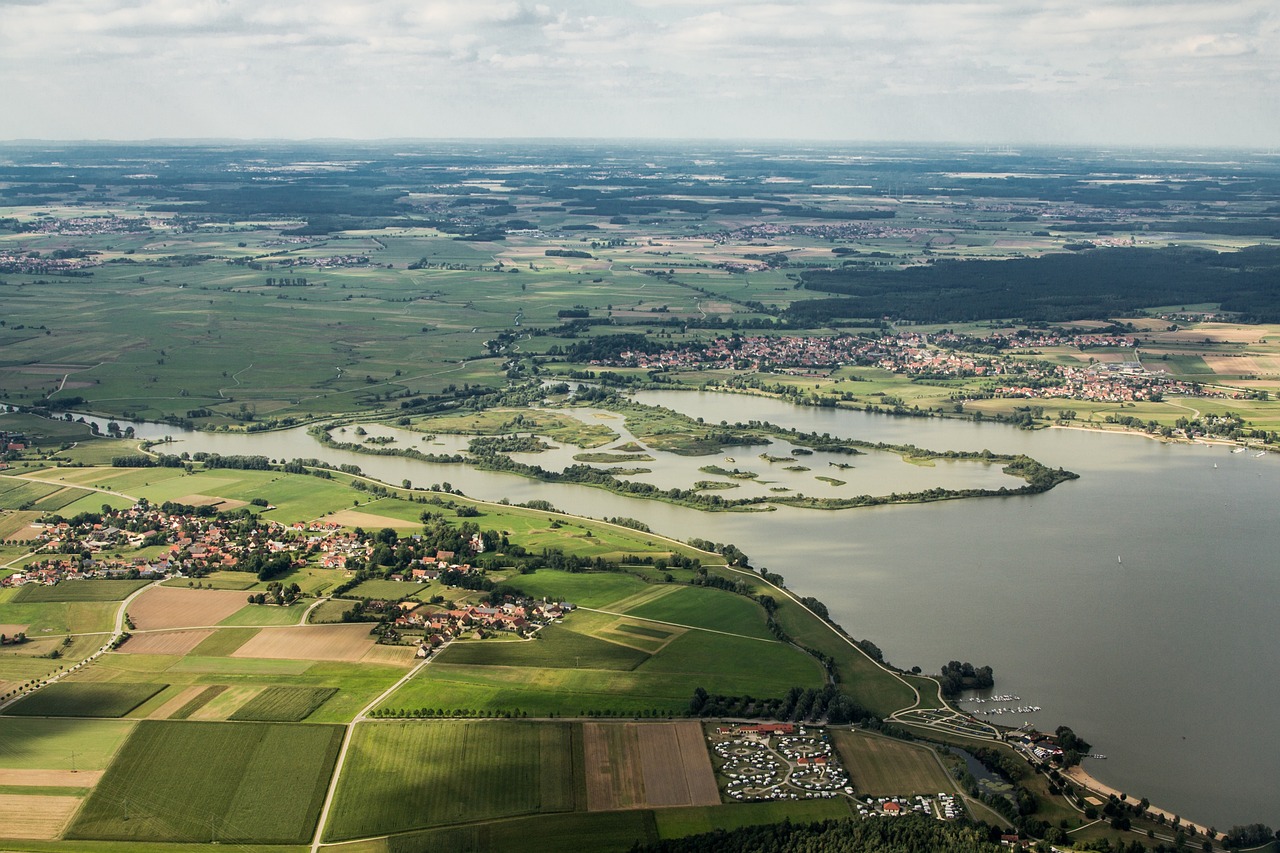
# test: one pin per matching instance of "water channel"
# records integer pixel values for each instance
(1134, 604)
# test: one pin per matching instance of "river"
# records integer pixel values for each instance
(1134, 604)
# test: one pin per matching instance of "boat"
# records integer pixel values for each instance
(1120, 561)
(1260, 454)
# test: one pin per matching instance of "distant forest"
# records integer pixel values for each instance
(1096, 284)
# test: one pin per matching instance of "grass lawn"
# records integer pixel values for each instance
(85, 699)
(392, 590)
(193, 782)
(60, 744)
(409, 775)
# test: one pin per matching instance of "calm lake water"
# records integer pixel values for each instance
(1134, 604)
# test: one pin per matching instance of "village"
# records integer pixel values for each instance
(939, 356)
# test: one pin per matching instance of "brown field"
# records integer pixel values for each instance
(9, 630)
(211, 500)
(647, 765)
(172, 607)
(51, 778)
(369, 521)
(181, 698)
(168, 643)
(309, 642)
(35, 817)
(883, 767)
(1255, 364)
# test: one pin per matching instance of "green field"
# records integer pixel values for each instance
(409, 775)
(267, 615)
(86, 590)
(60, 744)
(705, 607)
(85, 699)
(601, 832)
(554, 646)
(223, 642)
(588, 589)
(284, 704)
(196, 782)
(880, 766)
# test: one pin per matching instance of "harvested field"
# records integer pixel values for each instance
(35, 817)
(369, 521)
(882, 767)
(200, 696)
(647, 765)
(179, 700)
(394, 655)
(309, 642)
(211, 500)
(166, 607)
(16, 526)
(51, 778)
(1258, 365)
(222, 704)
(10, 630)
(167, 643)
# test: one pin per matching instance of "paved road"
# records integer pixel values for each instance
(316, 844)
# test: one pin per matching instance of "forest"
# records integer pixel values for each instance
(1090, 284)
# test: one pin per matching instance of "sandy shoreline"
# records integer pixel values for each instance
(1081, 777)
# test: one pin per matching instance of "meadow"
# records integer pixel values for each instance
(203, 782)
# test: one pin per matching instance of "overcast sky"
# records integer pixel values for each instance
(1160, 72)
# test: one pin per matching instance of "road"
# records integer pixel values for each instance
(323, 820)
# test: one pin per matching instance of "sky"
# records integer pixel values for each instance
(1088, 72)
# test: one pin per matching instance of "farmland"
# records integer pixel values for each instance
(88, 590)
(85, 699)
(166, 607)
(631, 765)
(880, 766)
(405, 775)
(284, 704)
(195, 782)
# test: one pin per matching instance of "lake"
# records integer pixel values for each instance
(1134, 604)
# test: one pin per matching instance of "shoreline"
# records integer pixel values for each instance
(1084, 779)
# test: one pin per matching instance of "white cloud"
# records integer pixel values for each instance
(900, 69)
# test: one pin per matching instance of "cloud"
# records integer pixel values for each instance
(685, 67)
